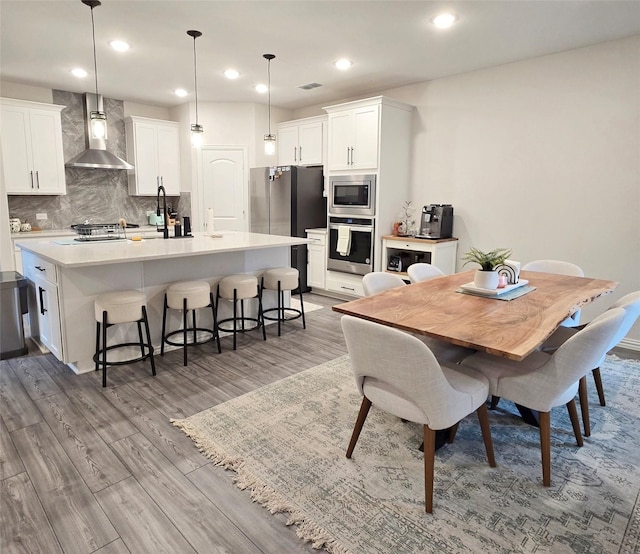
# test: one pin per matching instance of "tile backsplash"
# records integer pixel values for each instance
(97, 195)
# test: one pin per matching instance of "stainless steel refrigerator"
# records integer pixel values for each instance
(285, 201)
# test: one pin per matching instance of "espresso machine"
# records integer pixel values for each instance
(436, 222)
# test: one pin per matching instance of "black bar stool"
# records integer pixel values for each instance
(283, 279)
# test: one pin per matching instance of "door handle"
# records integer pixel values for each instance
(31, 175)
(295, 154)
(41, 298)
(38, 180)
(41, 268)
(301, 153)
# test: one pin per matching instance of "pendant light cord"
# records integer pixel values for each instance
(195, 75)
(269, 85)
(95, 60)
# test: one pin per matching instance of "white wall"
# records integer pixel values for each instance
(541, 156)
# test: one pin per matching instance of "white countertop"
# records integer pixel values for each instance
(72, 253)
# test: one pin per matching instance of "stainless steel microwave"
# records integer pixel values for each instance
(352, 195)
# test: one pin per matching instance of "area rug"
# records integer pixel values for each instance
(287, 441)
(308, 306)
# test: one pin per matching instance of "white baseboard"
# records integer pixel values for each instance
(631, 344)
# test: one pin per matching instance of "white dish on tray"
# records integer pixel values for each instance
(493, 292)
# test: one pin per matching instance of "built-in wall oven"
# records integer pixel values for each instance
(352, 195)
(350, 244)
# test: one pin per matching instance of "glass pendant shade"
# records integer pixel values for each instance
(98, 121)
(197, 132)
(269, 145)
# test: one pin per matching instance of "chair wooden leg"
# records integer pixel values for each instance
(452, 434)
(598, 382)
(573, 415)
(545, 447)
(494, 402)
(362, 416)
(483, 418)
(584, 405)
(429, 455)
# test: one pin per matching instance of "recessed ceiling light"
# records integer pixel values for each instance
(78, 72)
(444, 20)
(262, 88)
(231, 74)
(180, 92)
(343, 64)
(119, 45)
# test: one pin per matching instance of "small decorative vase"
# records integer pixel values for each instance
(486, 279)
(14, 224)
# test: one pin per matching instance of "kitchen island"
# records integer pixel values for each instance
(67, 275)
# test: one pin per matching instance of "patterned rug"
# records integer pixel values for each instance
(287, 441)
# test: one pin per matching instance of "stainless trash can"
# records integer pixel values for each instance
(13, 304)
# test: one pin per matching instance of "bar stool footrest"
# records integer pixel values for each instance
(239, 328)
(285, 316)
(97, 359)
(190, 331)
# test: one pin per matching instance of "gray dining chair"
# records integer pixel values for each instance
(631, 305)
(562, 268)
(544, 381)
(422, 272)
(399, 374)
(380, 281)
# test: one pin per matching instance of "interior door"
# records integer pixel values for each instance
(224, 187)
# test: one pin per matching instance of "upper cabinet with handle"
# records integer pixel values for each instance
(361, 132)
(153, 148)
(353, 138)
(301, 142)
(31, 137)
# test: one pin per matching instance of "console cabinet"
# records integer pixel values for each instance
(301, 142)
(31, 135)
(153, 147)
(440, 252)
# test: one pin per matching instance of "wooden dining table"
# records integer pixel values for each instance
(509, 328)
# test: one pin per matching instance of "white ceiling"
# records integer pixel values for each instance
(391, 43)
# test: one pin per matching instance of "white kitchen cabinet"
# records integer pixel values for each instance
(354, 138)
(44, 305)
(153, 147)
(345, 284)
(317, 259)
(373, 136)
(301, 142)
(440, 253)
(31, 135)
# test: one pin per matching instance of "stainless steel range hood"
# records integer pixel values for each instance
(96, 155)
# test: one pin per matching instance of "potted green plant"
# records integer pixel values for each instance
(487, 276)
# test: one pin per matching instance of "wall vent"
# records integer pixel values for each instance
(310, 86)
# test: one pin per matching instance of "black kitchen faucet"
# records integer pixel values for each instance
(165, 231)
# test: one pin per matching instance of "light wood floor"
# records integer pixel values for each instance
(86, 469)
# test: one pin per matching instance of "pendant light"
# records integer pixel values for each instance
(269, 139)
(196, 129)
(97, 118)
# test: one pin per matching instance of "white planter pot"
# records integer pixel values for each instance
(486, 279)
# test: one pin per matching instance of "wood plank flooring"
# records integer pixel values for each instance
(85, 469)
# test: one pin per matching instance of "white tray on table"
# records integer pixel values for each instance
(493, 292)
